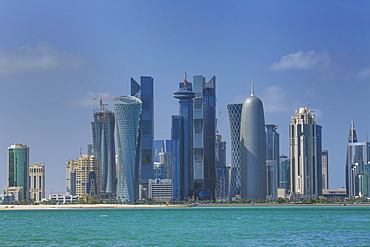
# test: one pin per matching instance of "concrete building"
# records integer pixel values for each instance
(305, 155)
(37, 181)
(14, 193)
(182, 144)
(86, 176)
(253, 150)
(128, 114)
(160, 190)
(18, 162)
(325, 169)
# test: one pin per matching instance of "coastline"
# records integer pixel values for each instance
(115, 206)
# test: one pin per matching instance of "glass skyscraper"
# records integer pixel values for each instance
(253, 150)
(235, 114)
(204, 133)
(284, 172)
(104, 150)
(128, 113)
(144, 92)
(18, 165)
(182, 144)
(272, 160)
(305, 155)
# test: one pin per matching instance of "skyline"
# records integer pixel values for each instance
(55, 57)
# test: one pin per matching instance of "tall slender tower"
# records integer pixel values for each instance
(18, 163)
(128, 113)
(204, 133)
(104, 150)
(272, 160)
(182, 144)
(253, 149)
(144, 92)
(305, 155)
(37, 181)
(235, 115)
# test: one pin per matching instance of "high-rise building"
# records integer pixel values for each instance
(357, 165)
(305, 155)
(128, 113)
(84, 179)
(284, 173)
(104, 150)
(182, 144)
(37, 181)
(204, 133)
(235, 114)
(162, 155)
(71, 166)
(325, 169)
(18, 162)
(145, 93)
(222, 171)
(272, 160)
(253, 149)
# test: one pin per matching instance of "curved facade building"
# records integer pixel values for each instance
(128, 113)
(253, 150)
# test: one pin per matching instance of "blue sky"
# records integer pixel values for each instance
(55, 56)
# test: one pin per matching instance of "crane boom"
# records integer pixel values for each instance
(101, 100)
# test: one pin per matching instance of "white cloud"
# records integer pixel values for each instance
(364, 73)
(38, 58)
(275, 100)
(310, 60)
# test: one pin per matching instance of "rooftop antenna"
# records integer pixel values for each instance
(80, 151)
(252, 88)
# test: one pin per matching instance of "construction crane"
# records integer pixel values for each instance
(101, 101)
(219, 121)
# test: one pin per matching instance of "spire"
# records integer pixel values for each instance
(252, 88)
(185, 82)
(352, 137)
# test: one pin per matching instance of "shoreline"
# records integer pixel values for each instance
(123, 206)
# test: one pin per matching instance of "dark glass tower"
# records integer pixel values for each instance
(144, 91)
(182, 144)
(104, 150)
(204, 133)
(253, 150)
(18, 163)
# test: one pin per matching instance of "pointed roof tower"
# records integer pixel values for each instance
(352, 137)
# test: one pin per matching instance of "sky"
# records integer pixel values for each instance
(55, 56)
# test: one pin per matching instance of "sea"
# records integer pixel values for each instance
(192, 226)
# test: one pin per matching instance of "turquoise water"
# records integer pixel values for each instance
(197, 226)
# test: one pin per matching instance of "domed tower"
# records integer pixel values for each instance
(253, 150)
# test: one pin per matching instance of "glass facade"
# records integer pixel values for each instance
(104, 150)
(128, 112)
(18, 165)
(145, 93)
(284, 171)
(182, 145)
(235, 114)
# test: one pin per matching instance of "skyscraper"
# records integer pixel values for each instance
(104, 150)
(325, 169)
(18, 162)
(235, 114)
(272, 160)
(85, 176)
(128, 113)
(253, 149)
(204, 133)
(144, 92)
(284, 172)
(222, 171)
(37, 181)
(305, 155)
(182, 144)
(357, 165)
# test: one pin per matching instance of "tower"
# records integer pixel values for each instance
(235, 115)
(128, 113)
(37, 181)
(325, 169)
(204, 133)
(182, 144)
(104, 150)
(272, 160)
(144, 92)
(18, 162)
(305, 155)
(253, 149)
